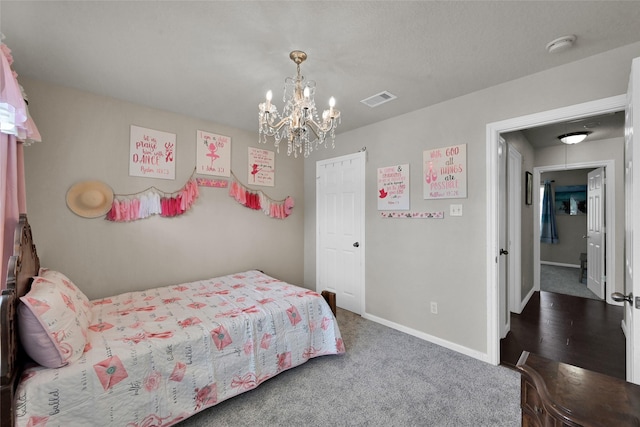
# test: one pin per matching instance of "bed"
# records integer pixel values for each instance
(149, 358)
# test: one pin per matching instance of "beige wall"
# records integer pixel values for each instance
(87, 137)
(409, 262)
(412, 262)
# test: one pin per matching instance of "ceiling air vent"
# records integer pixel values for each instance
(378, 99)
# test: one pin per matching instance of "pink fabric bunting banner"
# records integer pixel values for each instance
(150, 202)
(257, 200)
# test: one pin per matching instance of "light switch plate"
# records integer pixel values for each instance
(455, 210)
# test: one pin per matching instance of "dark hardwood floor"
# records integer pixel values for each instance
(578, 331)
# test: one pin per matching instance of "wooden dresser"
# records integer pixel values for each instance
(556, 394)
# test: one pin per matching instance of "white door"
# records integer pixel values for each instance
(595, 232)
(514, 212)
(340, 229)
(632, 222)
(505, 317)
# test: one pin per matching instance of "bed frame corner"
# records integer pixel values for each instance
(23, 265)
(330, 298)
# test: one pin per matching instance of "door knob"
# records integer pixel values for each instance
(356, 245)
(620, 297)
(503, 252)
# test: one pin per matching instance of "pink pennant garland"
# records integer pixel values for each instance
(149, 202)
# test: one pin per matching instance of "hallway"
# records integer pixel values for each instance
(564, 280)
(578, 331)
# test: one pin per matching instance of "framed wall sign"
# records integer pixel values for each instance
(445, 172)
(213, 154)
(262, 169)
(152, 153)
(393, 188)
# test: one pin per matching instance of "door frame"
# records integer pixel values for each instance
(514, 212)
(493, 131)
(610, 215)
(511, 284)
(360, 156)
(503, 236)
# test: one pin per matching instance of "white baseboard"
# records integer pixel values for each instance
(560, 264)
(435, 340)
(526, 300)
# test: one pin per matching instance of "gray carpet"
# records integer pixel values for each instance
(386, 378)
(564, 280)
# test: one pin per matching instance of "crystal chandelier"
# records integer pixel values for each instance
(299, 122)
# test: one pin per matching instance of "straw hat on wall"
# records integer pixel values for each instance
(90, 199)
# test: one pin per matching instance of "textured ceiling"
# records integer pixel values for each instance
(216, 60)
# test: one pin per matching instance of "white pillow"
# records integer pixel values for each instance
(53, 320)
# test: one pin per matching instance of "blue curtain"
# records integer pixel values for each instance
(548, 230)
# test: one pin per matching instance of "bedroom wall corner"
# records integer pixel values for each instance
(412, 262)
(86, 136)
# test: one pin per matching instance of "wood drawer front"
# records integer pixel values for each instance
(557, 394)
(531, 400)
(533, 412)
(530, 420)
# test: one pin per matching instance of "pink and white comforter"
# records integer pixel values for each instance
(156, 357)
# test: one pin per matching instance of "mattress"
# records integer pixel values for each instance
(158, 356)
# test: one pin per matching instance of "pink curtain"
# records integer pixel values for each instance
(16, 126)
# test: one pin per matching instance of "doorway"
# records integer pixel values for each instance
(340, 184)
(510, 232)
(579, 202)
(610, 209)
(578, 331)
(603, 106)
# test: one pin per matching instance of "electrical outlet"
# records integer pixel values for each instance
(455, 210)
(434, 307)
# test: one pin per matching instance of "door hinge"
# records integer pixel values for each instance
(637, 302)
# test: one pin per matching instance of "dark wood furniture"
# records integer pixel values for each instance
(330, 298)
(23, 265)
(557, 394)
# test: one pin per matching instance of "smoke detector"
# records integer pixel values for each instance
(561, 44)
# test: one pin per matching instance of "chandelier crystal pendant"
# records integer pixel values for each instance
(299, 122)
